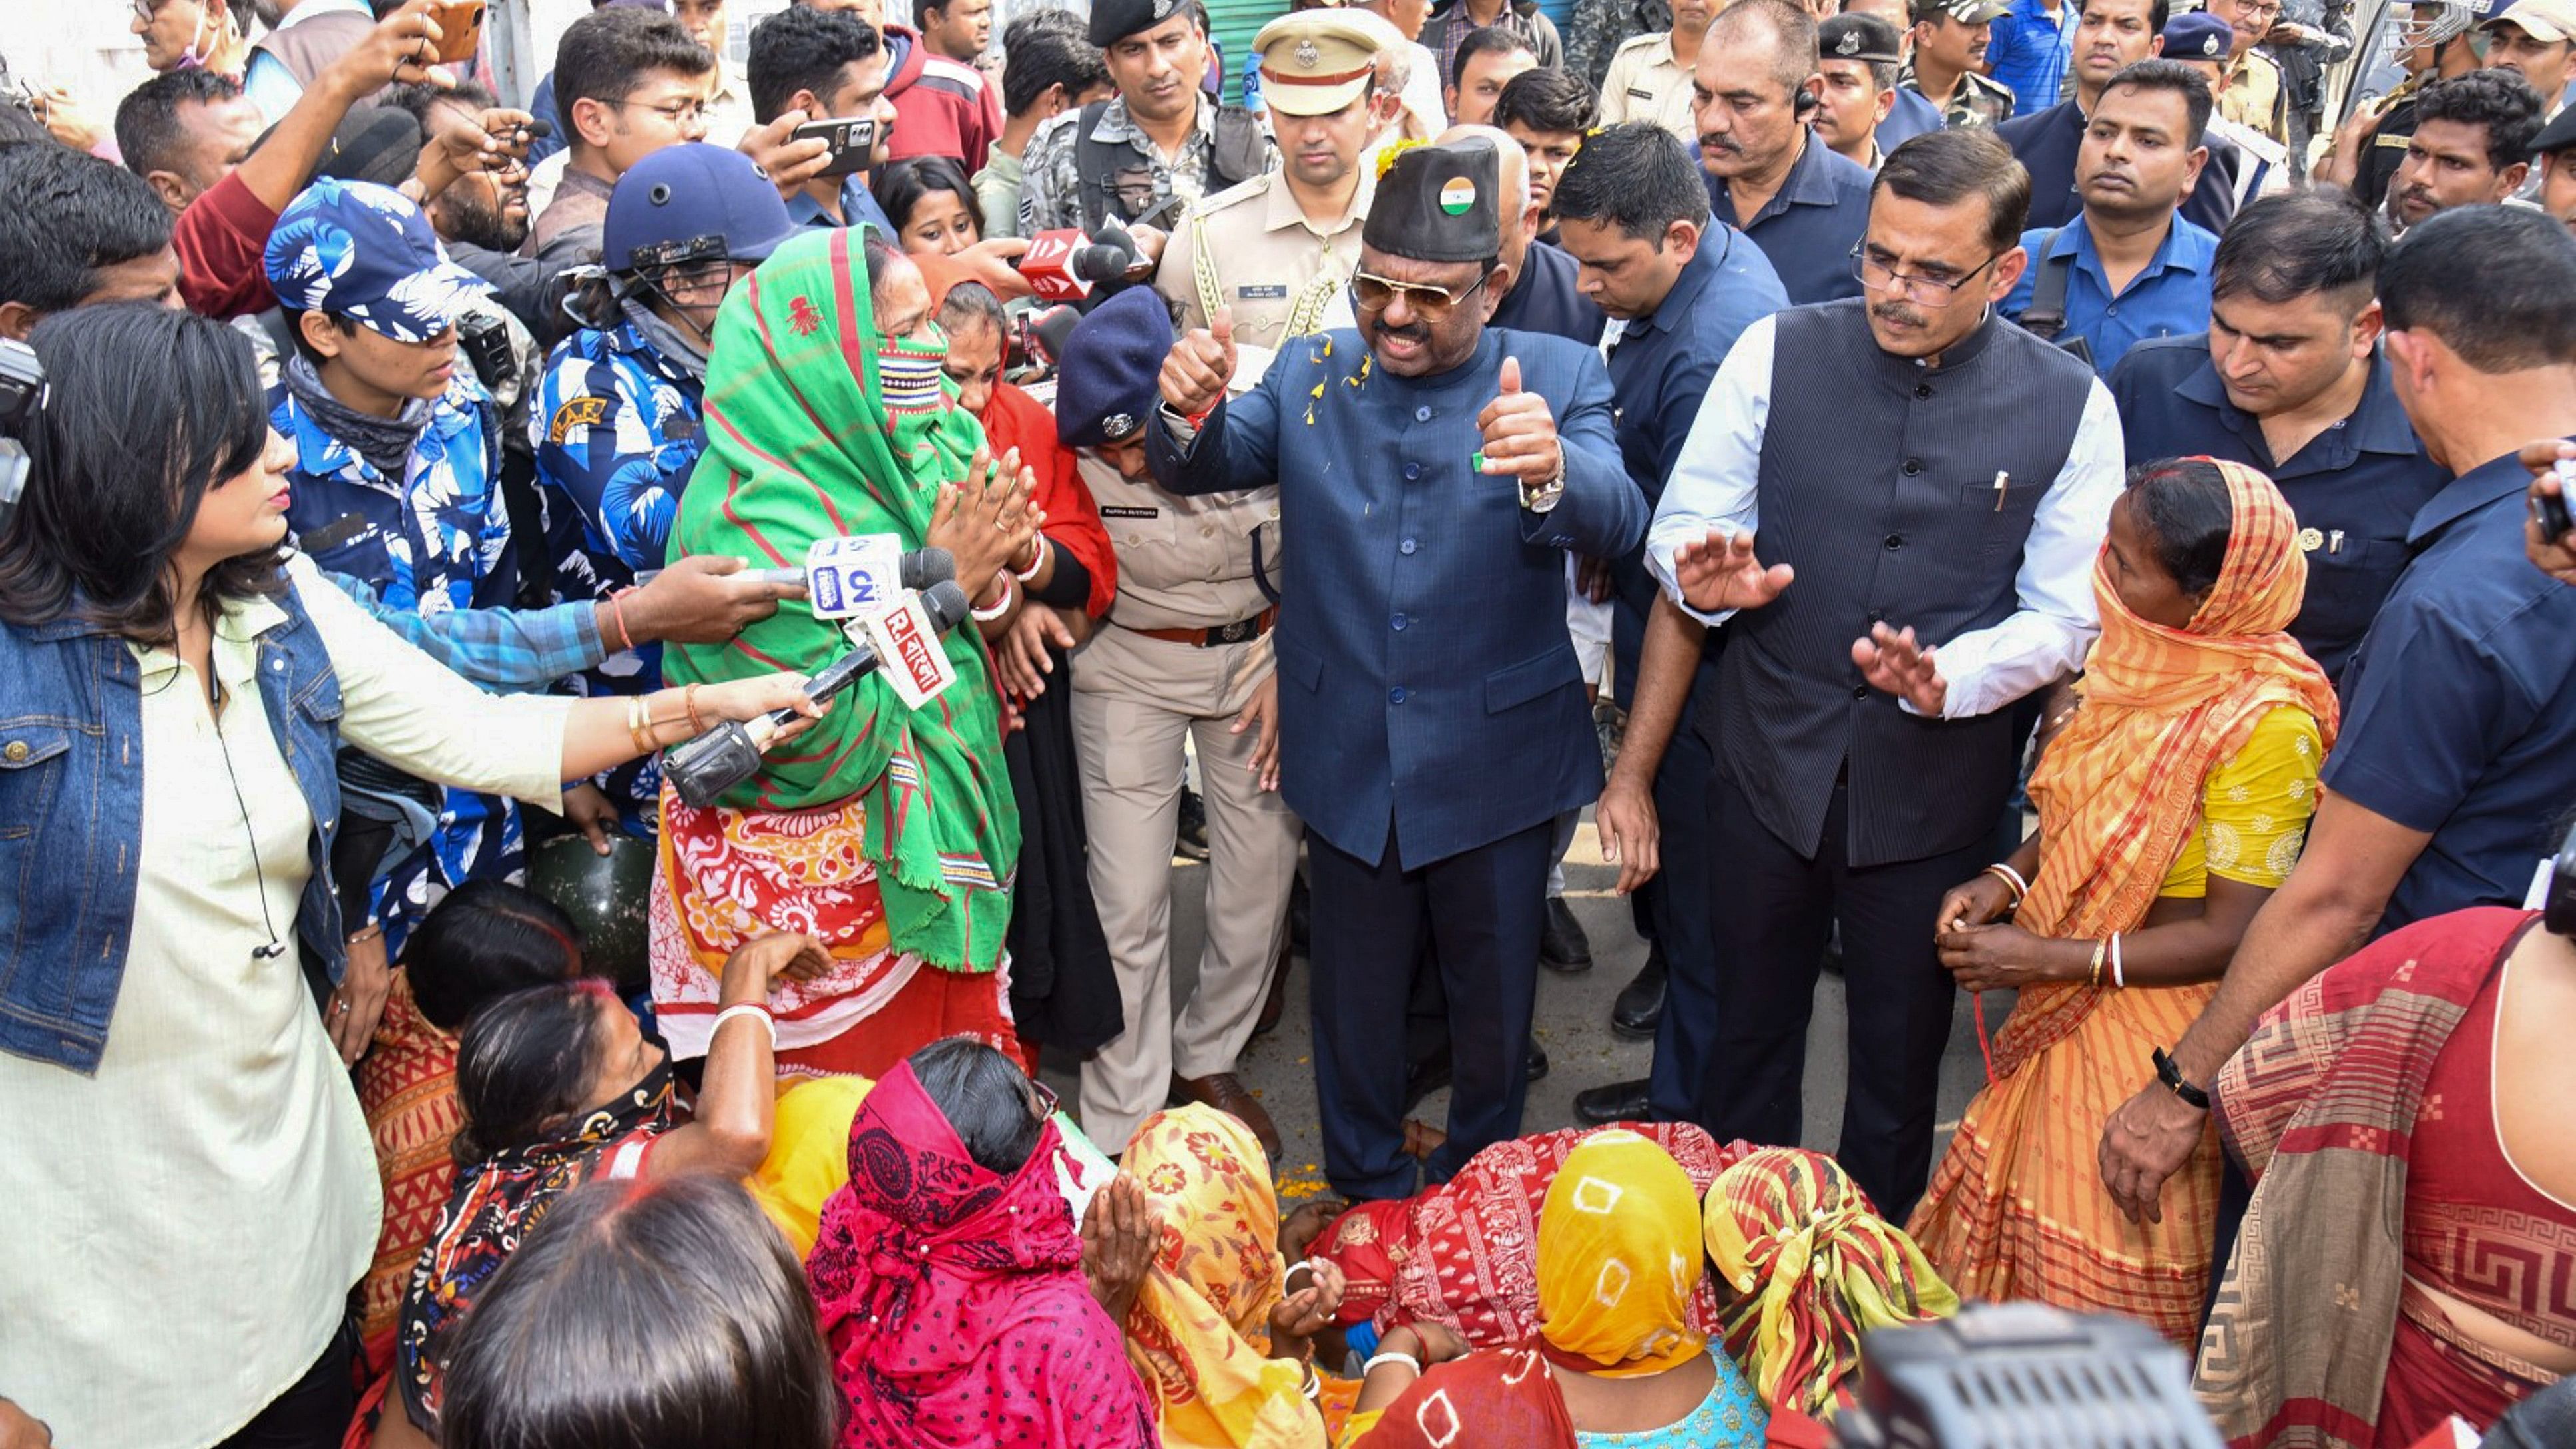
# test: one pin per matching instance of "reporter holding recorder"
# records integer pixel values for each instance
(162, 837)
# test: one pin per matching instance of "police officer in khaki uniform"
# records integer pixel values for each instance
(1184, 656)
(1279, 250)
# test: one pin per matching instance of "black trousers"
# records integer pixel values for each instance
(1480, 910)
(1773, 910)
(1680, 897)
(314, 1414)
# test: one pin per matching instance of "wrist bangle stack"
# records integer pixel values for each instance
(2093, 976)
(2004, 872)
(752, 1009)
(1313, 1387)
(2119, 977)
(689, 701)
(639, 724)
(617, 613)
(1037, 559)
(1406, 1359)
(1000, 607)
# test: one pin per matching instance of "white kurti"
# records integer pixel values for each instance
(186, 1224)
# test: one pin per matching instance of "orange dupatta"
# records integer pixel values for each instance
(2119, 792)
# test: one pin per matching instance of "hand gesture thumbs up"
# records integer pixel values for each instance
(1520, 432)
(1200, 365)
(1511, 376)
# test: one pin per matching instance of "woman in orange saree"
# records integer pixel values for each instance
(2168, 811)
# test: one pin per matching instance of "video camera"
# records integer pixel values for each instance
(2012, 1374)
(22, 394)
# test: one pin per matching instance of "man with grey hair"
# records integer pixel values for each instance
(1752, 89)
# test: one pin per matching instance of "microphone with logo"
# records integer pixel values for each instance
(907, 637)
(1064, 265)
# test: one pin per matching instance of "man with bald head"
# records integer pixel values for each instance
(1752, 90)
(1538, 291)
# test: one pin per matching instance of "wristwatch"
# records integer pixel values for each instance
(1544, 497)
(2171, 1075)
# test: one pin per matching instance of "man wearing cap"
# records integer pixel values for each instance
(1856, 58)
(1870, 479)
(2290, 379)
(2249, 88)
(1650, 76)
(2556, 148)
(2128, 268)
(2536, 40)
(2432, 44)
(2109, 34)
(1279, 249)
(2202, 41)
(1804, 205)
(1151, 152)
(1950, 38)
(1433, 725)
(397, 468)
(1185, 656)
(617, 412)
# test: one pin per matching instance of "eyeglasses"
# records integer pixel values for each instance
(1047, 1103)
(144, 10)
(1373, 293)
(1922, 291)
(2262, 10)
(678, 113)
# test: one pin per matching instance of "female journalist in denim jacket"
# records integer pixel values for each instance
(191, 1187)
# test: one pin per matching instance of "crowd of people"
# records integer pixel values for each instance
(2044, 508)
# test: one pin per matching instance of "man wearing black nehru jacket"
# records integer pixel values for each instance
(1930, 485)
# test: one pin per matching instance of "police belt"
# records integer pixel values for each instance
(1235, 633)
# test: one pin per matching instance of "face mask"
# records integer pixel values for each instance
(195, 57)
(908, 374)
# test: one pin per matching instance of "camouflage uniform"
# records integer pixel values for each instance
(1051, 171)
(1597, 28)
(1979, 101)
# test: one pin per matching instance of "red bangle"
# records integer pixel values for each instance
(689, 701)
(617, 611)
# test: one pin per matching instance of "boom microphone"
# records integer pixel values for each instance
(706, 767)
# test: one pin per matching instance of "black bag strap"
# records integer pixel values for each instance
(2045, 317)
(1095, 165)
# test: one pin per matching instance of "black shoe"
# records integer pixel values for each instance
(1617, 1102)
(1537, 1063)
(1834, 953)
(1640, 1007)
(1192, 838)
(1562, 946)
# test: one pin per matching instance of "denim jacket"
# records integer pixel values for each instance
(71, 818)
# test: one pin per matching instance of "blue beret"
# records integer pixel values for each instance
(1110, 375)
(2198, 35)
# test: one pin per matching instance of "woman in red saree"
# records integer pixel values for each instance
(2411, 1246)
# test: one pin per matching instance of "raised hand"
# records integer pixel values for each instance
(790, 162)
(1720, 572)
(1892, 660)
(1200, 365)
(1520, 433)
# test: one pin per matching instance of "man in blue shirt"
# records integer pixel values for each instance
(2129, 267)
(1680, 287)
(1766, 173)
(2289, 379)
(2458, 748)
(2109, 35)
(829, 64)
(1538, 292)
(2028, 48)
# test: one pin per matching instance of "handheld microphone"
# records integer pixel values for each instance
(847, 576)
(1048, 331)
(706, 767)
(1064, 265)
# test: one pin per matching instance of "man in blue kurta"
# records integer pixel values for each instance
(1432, 721)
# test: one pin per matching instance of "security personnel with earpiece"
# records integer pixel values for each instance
(1768, 176)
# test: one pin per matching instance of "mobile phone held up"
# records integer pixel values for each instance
(460, 29)
(2551, 508)
(853, 140)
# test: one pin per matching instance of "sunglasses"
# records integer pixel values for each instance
(1373, 293)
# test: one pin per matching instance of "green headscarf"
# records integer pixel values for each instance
(809, 437)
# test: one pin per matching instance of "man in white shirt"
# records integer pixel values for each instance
(1930, 485)
(1650, 75)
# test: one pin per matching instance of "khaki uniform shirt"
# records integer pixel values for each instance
(2249, 93)
(1251, 248)
(1645, 83)
(1183, 563)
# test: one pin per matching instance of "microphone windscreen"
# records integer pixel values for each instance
(923, 567)
(1054, 328)
(1102, 262)
(945, 602)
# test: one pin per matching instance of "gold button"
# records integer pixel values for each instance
(16, 752)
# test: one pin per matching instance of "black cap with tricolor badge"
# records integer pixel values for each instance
(1439, 203)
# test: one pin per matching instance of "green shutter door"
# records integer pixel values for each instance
(1233, 23)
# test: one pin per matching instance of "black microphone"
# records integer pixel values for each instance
(1101, 262)
(1050, 330)
(706, 767)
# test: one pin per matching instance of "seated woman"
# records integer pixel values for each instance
(2413, 1232)
(1225, 1350)
(1806, 1266)
(479, 944)
(177, 687)
(2168, 811)
(890, 834)
(1616, 1364)
(930, 203)
(686, 1322)
(949, 1273)
(1461, 1254)
(560, 1085)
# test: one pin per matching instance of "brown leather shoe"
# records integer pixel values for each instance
(1226, 1093)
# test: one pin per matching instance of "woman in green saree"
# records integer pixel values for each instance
(887, 832)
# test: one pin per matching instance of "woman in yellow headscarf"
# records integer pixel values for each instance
(1617, 1364)
(1222, 1344)
(2168, 812)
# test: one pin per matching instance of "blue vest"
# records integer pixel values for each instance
(71, 818)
